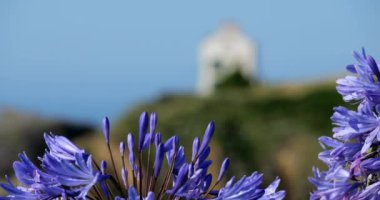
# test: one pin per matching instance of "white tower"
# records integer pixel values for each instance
(225, 52)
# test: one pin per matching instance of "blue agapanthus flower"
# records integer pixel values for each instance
(353, 154)
(69, 172)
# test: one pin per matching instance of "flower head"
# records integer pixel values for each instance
(352, 155)
(68, 172)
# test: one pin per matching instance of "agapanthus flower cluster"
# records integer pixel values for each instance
(68, 172)
(353, 154)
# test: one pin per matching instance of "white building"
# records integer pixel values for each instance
(226, 51)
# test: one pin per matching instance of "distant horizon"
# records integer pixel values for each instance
(96, 122)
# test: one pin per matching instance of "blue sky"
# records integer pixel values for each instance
(86, 59)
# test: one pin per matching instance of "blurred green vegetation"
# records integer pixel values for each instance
(234, 80)
(273, 130)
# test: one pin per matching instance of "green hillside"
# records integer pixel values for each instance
(270, 129)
